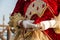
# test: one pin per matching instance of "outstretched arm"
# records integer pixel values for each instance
(42, 25)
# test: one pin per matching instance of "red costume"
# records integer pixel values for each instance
(54, 5)
(52, 34)
(22, 7)
(50, 31)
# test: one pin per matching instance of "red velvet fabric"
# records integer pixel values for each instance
(22, 5)
(58, 5)
(52, 4)
(52, 34)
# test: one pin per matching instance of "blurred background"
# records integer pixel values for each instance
(6, 8)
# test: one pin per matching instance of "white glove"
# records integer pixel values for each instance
(28, 24)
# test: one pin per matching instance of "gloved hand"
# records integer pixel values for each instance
(28, 24)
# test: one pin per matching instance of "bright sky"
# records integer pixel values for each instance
(6, 8)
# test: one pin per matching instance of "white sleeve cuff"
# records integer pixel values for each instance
(48, 24)
(52, 23)
(45, 25)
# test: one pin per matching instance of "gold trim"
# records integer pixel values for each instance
(14, 19)
(52, 11)
(47, 35)
(43, 11)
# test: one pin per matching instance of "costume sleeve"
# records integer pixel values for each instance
(48, 24)
(47, 15)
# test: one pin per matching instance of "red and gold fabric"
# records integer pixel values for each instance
(45, 8)
(51, 33)
(37, 10)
